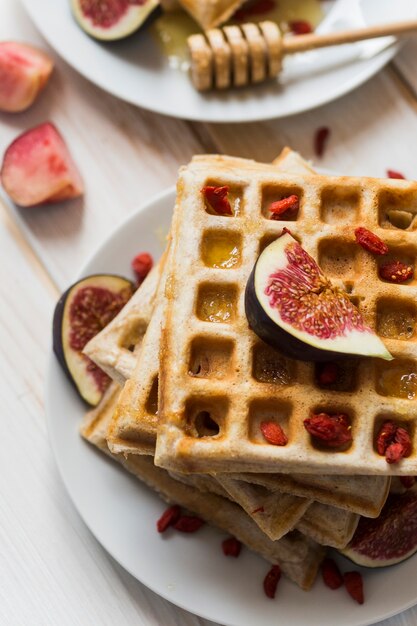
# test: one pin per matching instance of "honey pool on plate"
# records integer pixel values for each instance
(172, 29)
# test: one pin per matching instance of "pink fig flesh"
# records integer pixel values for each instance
(389, 538)
(37, 168)
(24, 71)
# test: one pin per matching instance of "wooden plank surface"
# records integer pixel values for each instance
(52, 571)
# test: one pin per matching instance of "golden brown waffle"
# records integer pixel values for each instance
(129, 432)
(298, 556)
(274, 513)
(365, 495)
(210, 13)
(133, 428)
(275, 516)
(205, 323)
(328, 526)
(112, 348)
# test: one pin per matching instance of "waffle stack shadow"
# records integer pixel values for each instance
(198, 408)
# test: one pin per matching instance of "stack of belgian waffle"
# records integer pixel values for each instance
(186, 408)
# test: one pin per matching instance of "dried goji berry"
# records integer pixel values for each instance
(260, 509)
(394, 453)
(300, 27)
(394, 174)
(321, 137)
(396, 272)
(168, 518)
(289, 206)
(254, 8)
(231, 547)
(408, 481)
(332, 430)
(331, 574)
(354, 585)
(217, 199)
(369, 241)
(188, 523)
(394, 442)
(274, 434)
(385, 436)
(328, 374)
(271, 581)
(142, 265)
(402, 436)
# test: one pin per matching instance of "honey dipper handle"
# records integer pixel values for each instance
(302, 43)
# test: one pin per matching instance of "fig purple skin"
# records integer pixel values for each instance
(388, 539)
(114, 19)
(278, 338)
(293, 307)
(69, 338)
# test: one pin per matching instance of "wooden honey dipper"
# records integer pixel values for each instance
(234, 56)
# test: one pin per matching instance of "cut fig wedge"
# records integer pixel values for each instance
(80, 314)
(24, 71)
(293, 307)
(389, 538)
(37, 167)
(112, 19)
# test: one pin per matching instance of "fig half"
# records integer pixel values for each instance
(80, 314)
(112, 19)
(293, 307)
(389, 538)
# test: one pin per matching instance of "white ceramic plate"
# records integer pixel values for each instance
(136, 70)
(190, 571)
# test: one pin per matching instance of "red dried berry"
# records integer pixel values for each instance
(369, 241)
(321, 137)
(259, 7)
(188, 523)
(396, 272)
(385, 437)
(300, 27)
(231, 547)
(394, 442)
(271, 581)
(394, 174)
(289, 206)
(328, 374)
(332, 430)
(394, 453)
(331, 574)
(274, 434)
(402, 436)
(168, 518)
(142, 265)
(408, 481)
(354, 585)
(217, 199)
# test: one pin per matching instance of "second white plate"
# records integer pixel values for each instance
(136, 70)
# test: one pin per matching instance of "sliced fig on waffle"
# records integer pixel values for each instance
(292, 306)
(80, 314)
(389, 538)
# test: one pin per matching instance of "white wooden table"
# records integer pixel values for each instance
(52, 570)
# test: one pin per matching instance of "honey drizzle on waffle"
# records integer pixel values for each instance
(330, 209)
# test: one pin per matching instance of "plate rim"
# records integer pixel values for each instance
(165, 196)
